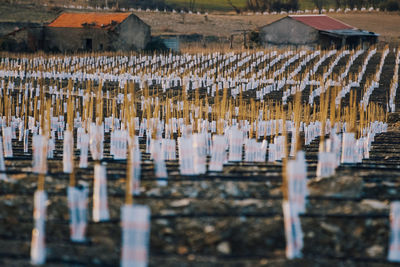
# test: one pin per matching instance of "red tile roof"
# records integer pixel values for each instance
(95, 20)
(322, 22)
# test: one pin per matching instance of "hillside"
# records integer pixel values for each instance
(219, 25)
(222, 5)
(27, 13)
(200, 5)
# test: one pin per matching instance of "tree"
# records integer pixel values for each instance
(275, 5)
(192, 5)
(258, 5)
(351, 3)
(237, 10)
(373, 3)
(319, 4)
(294, 4)
(252, 5)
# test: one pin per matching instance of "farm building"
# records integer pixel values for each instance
(17, 37)
(96, 32)
(312, 31)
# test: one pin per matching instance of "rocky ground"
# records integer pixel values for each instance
(229, 219)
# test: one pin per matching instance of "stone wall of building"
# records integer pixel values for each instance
(9, 27)
(131, 34)
(29, 39)
(76, 39)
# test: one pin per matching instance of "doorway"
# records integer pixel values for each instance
(88, 44)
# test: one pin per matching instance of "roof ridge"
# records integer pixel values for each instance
(321, 24)
(97, 13)
(309, 15)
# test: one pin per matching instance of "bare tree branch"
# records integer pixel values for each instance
(237, 10)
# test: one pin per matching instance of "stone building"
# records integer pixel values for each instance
(313, 31)
(72, 32)
(20, 36)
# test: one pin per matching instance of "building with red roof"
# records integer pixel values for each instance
(314, 30)
(72, 32)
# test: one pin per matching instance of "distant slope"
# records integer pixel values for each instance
(222, 5)
(201, 5)
(386, 24)
(26, 13)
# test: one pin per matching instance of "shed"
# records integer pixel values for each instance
(312, 31)
(96, 32)
(171, 42)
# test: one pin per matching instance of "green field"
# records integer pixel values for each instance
(222, 5)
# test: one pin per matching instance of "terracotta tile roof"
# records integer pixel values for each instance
(94, 20)
(322, 22)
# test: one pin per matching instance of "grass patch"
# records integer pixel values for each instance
(219, 5)
(308, 4)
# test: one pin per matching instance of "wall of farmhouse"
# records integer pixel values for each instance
(75, 39)
(131, 34)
